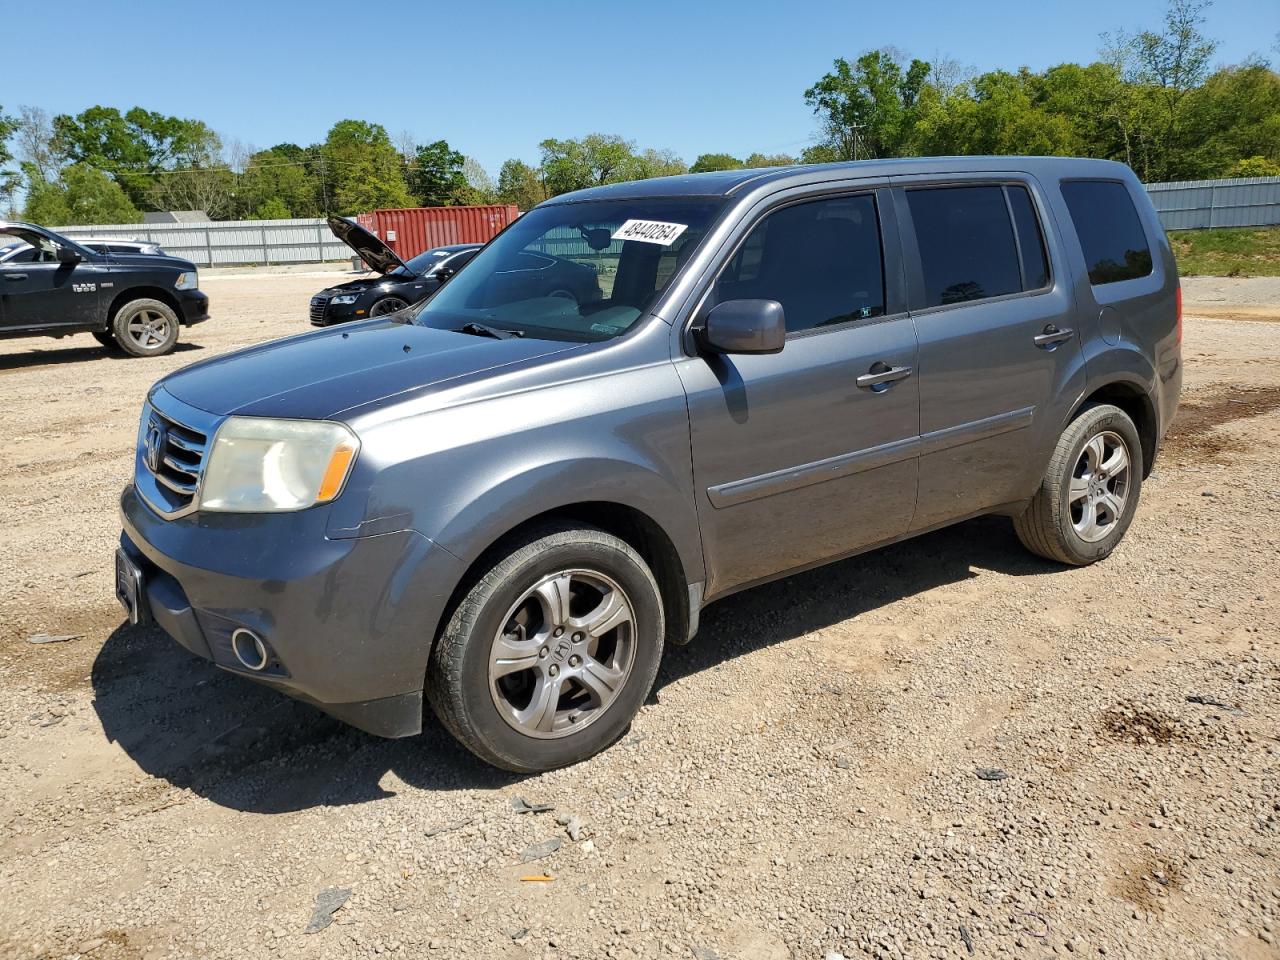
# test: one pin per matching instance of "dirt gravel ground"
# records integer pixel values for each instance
(805, 780)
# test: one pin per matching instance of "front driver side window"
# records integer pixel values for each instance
(820, 259)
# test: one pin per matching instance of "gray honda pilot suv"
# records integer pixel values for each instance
(508, 505)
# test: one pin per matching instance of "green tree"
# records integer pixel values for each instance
(867, 108)
(46, 202)
(134, 145)
(435, 175)
(278, 179)
(707, 162)
(9, 178)
(658, 163)
(770, 160)
(519, 183)
(361, 169)
(596, 159)
(93, 197)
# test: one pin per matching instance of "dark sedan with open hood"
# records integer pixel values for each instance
(398, 284)
(403, 282)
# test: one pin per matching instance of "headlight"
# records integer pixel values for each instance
(346, 298)
(186, 281)
(260, 465)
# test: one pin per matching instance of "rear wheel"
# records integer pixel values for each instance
(145, 328)
(551, 653)
(1089, 493)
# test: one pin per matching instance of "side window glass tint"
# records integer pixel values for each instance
(821, 260)
(1035, 266)
(1111, 235)
(966, 243)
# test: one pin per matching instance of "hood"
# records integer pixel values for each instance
(152, 260)
(372, 250)
(318, 375)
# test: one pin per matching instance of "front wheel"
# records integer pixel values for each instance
(387, 305)
(551, 653)
(1089, 494)
(145, 328)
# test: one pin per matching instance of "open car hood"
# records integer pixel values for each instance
(372, 250)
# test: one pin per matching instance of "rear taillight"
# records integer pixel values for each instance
(1177, 299)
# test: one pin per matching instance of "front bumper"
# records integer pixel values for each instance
(194, 306)
(349, 622)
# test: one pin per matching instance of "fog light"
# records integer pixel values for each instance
(249, 649)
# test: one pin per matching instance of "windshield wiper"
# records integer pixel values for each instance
(484, 330)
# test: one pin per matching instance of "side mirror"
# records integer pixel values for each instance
(67, 255)
(745, 326)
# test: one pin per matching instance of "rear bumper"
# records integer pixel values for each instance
(193, 306)
(348, 623)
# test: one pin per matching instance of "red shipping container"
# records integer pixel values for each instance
(410, 231)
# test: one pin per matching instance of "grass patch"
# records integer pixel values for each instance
(1234, 252)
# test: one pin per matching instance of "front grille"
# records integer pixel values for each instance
(318, 304)
(172, 454)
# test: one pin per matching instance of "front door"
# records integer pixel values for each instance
(811, 453)
(39, 293)
(998, 348)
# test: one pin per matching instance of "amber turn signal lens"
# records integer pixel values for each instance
(336, 473)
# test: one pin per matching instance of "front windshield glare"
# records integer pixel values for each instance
(573, 271)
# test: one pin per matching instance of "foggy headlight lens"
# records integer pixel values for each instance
(185, 281)
(260, 465)
(346, 298)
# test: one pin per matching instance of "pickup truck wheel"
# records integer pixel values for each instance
(548, 657)
(1089, 493)
(145, 328)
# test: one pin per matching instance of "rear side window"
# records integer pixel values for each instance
(968, 250)
(1035, 266)
(1111, 235)
(821, 260)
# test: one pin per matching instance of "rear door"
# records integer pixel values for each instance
(999, 351)
(808, 454)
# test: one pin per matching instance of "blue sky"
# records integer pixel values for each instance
(495, 77)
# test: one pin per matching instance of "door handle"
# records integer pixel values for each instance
(15, 276)
(883, 376)
(1052, 336)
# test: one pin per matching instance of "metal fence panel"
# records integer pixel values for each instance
(1195, 204)
(230, 242)
(1189, 205)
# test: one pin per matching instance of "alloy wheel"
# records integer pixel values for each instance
(148, 328)
(1099, 486)
(563, 653)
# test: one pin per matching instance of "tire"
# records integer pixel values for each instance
(145, 328)
(1056, 525)
(387, 305)
(106, 338)
(480, 696)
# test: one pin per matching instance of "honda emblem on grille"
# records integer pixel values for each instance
(153, 446)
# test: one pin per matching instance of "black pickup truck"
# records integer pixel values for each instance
(54, 287)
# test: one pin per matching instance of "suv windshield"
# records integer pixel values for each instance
(573, 271)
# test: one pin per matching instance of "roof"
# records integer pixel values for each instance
(726, 183)
(175, 216)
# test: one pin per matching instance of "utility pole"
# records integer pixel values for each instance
(855, 127)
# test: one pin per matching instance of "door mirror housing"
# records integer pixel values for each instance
(744, 326)
(66, 255)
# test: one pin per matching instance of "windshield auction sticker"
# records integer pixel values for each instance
(650, 231)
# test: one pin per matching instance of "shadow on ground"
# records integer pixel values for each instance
(44, 357)
(249, 748)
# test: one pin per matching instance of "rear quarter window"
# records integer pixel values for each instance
(1114, 244)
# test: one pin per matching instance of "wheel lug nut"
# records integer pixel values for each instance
(577, 638)
(542, 654)
(575, 661)
(554, 670)
(557, 631)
